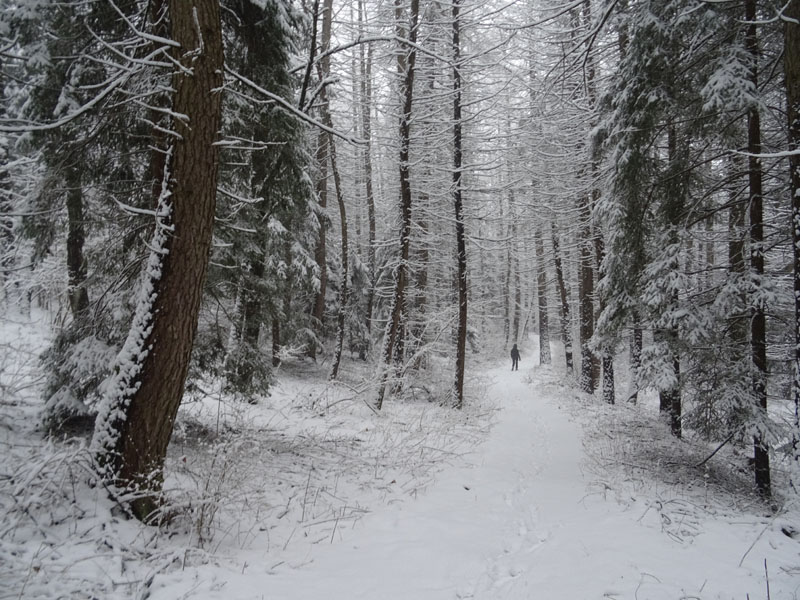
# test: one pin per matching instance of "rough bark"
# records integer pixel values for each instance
(136, 421)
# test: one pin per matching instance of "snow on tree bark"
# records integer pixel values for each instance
(136, 418)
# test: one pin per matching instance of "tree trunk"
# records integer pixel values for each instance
(517, 303)
(249, 324)
(461, 245)
(345, 284)
(507, 283)
(607, 358)
(406, 59)
(276, 341)
(76, 263)
(758, 324)
(586, 297)
(366, 125)
(323, 152)
(136, 418)
(337, 184)
(320, 251)
(791, 68)
(421, 284)
(670, 399)
(541, 289)
(564, 307)
(636, 357)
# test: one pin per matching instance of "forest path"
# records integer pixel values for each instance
(471, 532)
(520, 520)
(509, 524)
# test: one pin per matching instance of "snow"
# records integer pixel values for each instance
(533, 491)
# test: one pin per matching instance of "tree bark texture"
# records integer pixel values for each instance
(135, 424)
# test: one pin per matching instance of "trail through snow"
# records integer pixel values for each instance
(518, 522)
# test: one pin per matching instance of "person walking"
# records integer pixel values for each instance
(514, 358)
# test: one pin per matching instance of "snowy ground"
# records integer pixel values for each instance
(533, 491)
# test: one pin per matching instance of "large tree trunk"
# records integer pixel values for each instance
(406, 60)
(564, 306)
(758, 323)
(136, 419)
(461, 245)
(791, 68)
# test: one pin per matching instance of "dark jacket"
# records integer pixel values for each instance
(515, 353)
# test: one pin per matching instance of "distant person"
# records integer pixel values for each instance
(514, 358)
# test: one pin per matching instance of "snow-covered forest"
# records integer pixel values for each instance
(264, 262)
